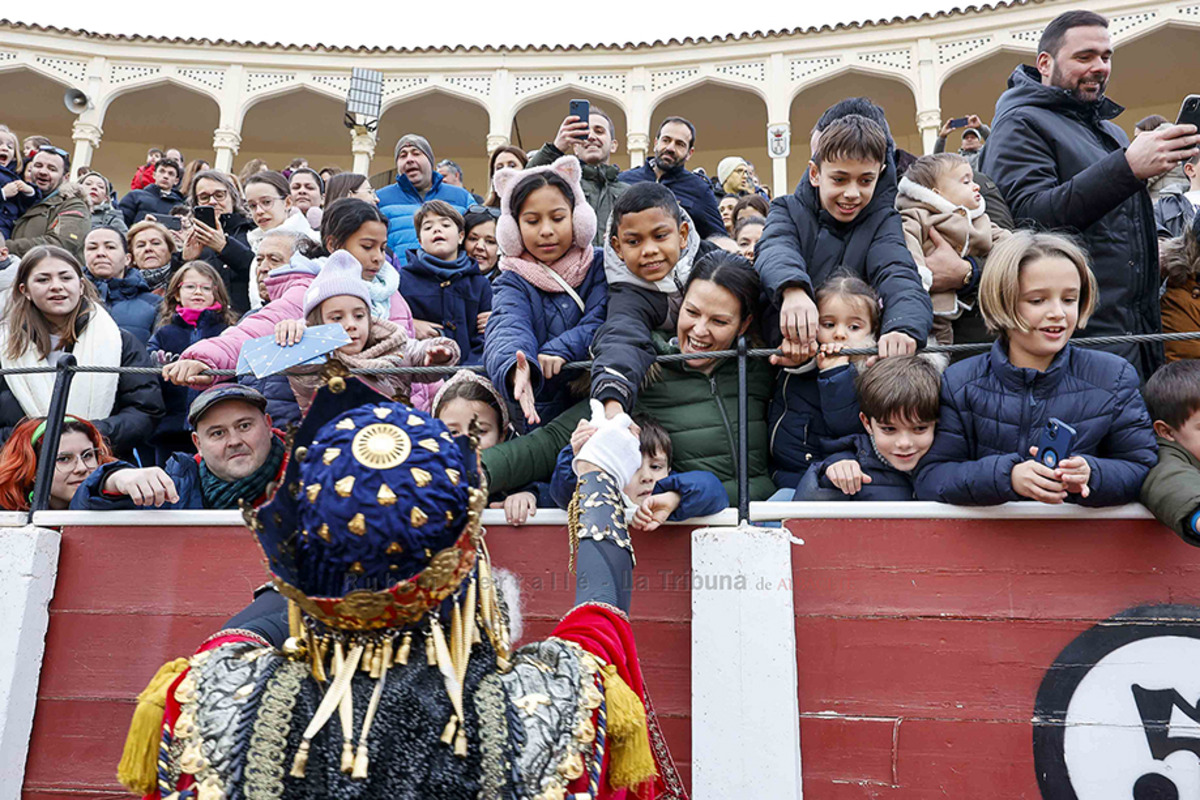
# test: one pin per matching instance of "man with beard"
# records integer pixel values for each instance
(1063, 165)
(601, 185)
(62, 216)
(674, 145)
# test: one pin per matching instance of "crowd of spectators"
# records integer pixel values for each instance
(1046, 221)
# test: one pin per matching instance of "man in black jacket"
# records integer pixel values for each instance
(1063, 165)
(158, 198)
(673, 146)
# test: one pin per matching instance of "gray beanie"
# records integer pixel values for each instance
(415, 140)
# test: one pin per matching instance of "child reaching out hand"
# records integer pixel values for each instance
(655, 494)
(1037, 289)
(551, 295)
(339, 295)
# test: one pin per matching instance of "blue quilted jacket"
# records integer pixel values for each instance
(400, 201)
(527, 319)
(993, 412)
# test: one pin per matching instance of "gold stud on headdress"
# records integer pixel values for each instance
(356, 568)
(323, 531)
(453, 475)
(381, 446)
(313, 489)
(345, 425)
(345, 486)
(418, 517)
(413, 421)
(357, 525)
(430, 444)
(382, 413)
(421, 477)
(394, 549)
(330, 455)
(385, 495)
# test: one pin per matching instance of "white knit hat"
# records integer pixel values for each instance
(342, 274)
(727, 166)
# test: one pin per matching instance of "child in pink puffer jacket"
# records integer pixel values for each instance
(349, 224)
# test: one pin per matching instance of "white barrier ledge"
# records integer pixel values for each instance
(14, 519)
(190, 518)
(28, 567)
(771, 512)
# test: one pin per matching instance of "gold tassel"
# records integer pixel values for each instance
(456, 634)
(138, 770)
(368, 658)
(376, 658)
(405, 648)
(631, 762)
(300, 762)
(448, 731)
(318, 651)
(295, 623)
(430, 650)
(347, 756)
(360, 763)
(460, 743)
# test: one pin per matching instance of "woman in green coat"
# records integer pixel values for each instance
(695, 400)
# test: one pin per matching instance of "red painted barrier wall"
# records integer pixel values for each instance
(129, 599)
(921, 644)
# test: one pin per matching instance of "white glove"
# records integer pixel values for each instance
(612, 448)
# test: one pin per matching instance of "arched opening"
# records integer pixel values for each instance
(892, 95)
(165, 115)
(537, 123)
(32, 104)
(299, 124)
(456, 128)
(1141, 84)
(729, 122)
(975, 88)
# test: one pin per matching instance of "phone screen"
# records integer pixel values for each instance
(1189, 112)
(958, 122)
(205, 214)
(171, 223)
(581, 109)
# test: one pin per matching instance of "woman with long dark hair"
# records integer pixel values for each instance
(53, 310)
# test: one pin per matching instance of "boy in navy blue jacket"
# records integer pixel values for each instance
(442, 284)
(898, 398)
(658, 494)
(842, 216)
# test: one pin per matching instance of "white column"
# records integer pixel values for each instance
(779, 126)
(779, 146)
(637, 138)
(28, 567)
(638, 144)
(226, 142)
(87, 138)
(495, 141)
(929, 122)
(362, 145)
(928, 94)
(745, 705)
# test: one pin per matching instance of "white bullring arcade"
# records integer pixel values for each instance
(229, 101)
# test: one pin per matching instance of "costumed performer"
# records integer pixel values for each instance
(396, 679)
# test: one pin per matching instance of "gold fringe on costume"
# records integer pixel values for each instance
(630, 761)
(138, 770)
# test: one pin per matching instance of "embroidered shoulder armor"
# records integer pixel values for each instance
(218, 700)
(552, 690)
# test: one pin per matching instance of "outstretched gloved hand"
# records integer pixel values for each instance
(613, 448)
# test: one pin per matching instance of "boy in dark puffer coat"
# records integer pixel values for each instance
(842, 217)
(1036, 290)
(442, 284)
(899, 401)
(1172, 489)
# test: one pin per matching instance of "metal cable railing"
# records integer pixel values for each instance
(66, 367)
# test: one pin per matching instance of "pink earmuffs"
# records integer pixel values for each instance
(508, 233)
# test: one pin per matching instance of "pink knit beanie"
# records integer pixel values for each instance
(341, 274)
(583, 217)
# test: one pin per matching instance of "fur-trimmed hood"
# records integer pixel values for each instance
(616, 270)
(910, 194)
